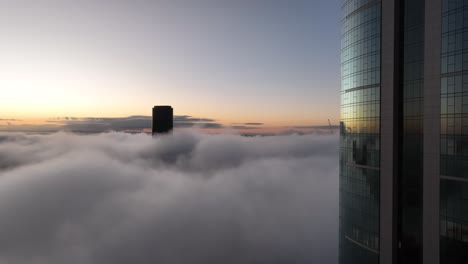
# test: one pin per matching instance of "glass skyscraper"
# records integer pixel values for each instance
(404, 132)
(360, 131)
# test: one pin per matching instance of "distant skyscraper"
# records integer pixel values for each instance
(404, 132)
(163, 119)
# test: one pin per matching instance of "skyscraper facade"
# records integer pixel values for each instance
(163, 119)
(404, 132)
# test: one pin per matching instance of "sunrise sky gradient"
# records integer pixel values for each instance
(269, 61)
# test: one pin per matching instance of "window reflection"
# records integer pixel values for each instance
(454, 133)
(360, 131)
(454, 126)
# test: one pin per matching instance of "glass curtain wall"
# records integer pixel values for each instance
(360, 131)
(411, 132)
(454, 133)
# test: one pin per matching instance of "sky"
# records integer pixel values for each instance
(187, 197)
(274, 62)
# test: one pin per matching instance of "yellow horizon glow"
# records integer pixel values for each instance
(35, 88)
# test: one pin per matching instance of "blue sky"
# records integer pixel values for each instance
(269, 61)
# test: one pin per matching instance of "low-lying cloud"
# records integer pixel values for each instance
(184, 198)
(134, 123)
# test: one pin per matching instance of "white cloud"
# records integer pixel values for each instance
(182, 198)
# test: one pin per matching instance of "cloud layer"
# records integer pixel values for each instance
(183, 198)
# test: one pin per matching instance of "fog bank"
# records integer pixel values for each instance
(182, 198)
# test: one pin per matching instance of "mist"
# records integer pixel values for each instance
(185, 198)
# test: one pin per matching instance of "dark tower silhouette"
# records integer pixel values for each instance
(162, 119)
